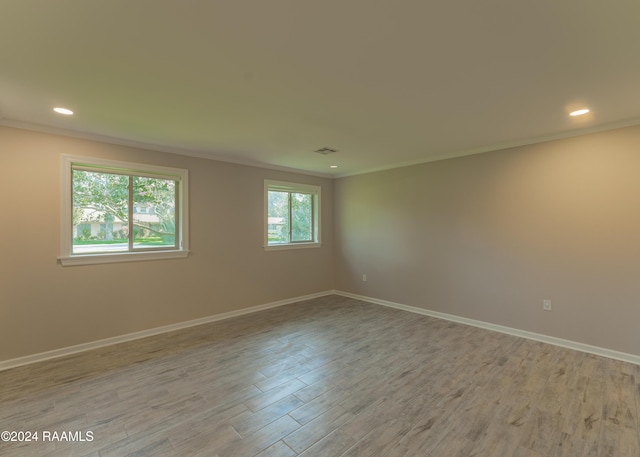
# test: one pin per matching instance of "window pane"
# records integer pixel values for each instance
(100, 212)
(301, 217)
(278, 217)
(154, 212)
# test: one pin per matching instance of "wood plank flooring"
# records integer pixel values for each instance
(327, 377)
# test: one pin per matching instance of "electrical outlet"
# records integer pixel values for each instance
(546, 305)
(364, 277)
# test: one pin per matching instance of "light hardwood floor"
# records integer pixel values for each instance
(328, 377)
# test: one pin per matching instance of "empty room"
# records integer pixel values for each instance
(319, 229)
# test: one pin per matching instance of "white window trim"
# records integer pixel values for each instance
(67, 258)
(292, 187)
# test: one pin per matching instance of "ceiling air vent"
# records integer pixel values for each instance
(325, 151)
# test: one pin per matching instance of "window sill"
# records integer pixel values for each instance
(93, 259)
(284, 247)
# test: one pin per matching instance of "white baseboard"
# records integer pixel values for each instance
(34, 358)
(42, 356)
(623, 356)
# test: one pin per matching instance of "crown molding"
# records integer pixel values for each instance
(252, 163)
(154, 147)
(500, 146)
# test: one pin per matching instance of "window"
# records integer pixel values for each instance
(120, 211)
(291, 215)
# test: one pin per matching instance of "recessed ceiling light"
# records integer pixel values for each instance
(65, 111)
(333, 166)
(579, 112)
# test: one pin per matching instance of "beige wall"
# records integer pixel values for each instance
(44, 306)
(489, 236)
(486, 237)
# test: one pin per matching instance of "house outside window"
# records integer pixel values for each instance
(292, 213)
(119, 211)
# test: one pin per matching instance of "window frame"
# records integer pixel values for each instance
(181, 176)
(282, 186)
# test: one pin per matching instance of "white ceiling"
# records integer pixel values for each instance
(268, 82)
